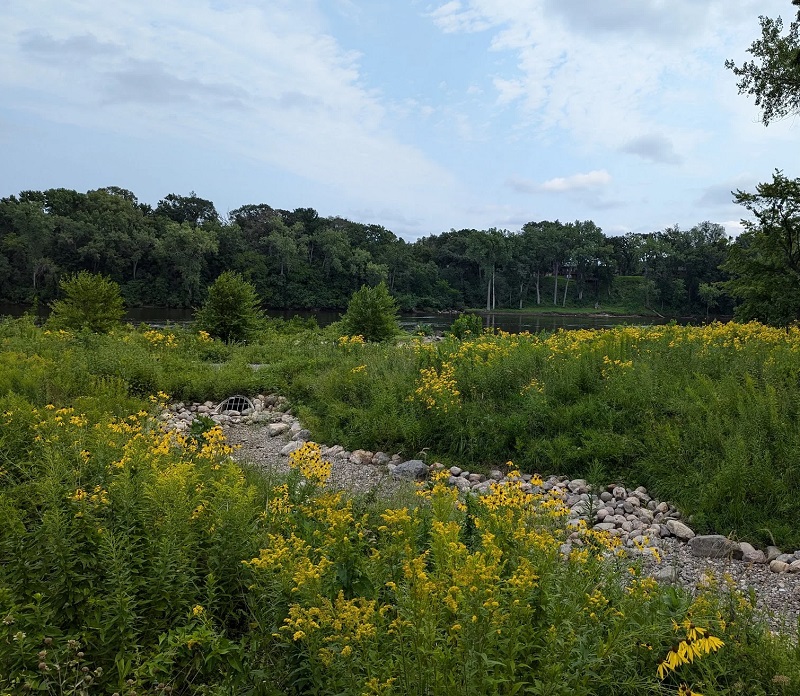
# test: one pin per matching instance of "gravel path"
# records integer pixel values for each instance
(777, 595)
(256, 447)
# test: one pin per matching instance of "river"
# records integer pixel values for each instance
(514, 322)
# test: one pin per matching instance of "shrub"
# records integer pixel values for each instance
(466, 325)
(91, 301)
(232, 311)
(371, 313)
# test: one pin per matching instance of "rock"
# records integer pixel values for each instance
(794, 567)
(496, 474)
(619, 493)
(459, 482)
(778, 566)
(412, 469)
(714, 546)
(381, 458)
(275, 429)
(361, 457)
(577, 486)
(604, 526)
(786, 557)
(455, 470)
(750, 554)
(680, 530)
(666, 575)
(772, 553)
(291, 447)
(302, 435)
(475, 478)
(605, 496)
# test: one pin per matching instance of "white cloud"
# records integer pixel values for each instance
(266, 81)
(578, 182)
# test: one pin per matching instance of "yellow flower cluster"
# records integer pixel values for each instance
(308, 460)
(437, 389)
(698, 642)
(356, 340)
(160, 339)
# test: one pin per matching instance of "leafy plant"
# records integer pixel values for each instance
(232, 311)
(90, 301)
(371, 313)
(466, 325)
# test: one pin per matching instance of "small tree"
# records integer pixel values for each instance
(232, 310)
(90, 301)
(372, 313)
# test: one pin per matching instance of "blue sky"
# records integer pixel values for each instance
(418, 115)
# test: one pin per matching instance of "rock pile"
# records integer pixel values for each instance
(640, 521)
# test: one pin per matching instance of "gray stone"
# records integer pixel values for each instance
(750, 554)
(794, 567)
(714, 546)
(475, 478)
(455, 470)
(291, 447)
(459, 482)
(666, 575)
(605, 526)
(412, 469)
(786, 557)
(302, 435)
(680, 530)
(576, 486)
(381, 458)
(496, 474)
(275, 429)
(605, 496)
(772, 553)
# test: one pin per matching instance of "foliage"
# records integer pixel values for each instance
(232, 310)
(135, 560)
(774, 76)
(466, 325)
(372, 314)
(764, 264)
(90, 301)
(166, 256)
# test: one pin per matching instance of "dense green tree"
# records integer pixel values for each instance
(232, 310)
(89, 301)
(773, 78)
(371, 313)
(764, 263)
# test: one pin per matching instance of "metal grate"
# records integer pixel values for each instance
(235, 403)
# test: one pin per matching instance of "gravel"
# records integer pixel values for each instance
(777, 595)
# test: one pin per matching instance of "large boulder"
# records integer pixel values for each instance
(413, 470)
(715, 546)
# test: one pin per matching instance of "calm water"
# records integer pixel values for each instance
(514, 323)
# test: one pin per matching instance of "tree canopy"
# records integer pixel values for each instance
(773, 77)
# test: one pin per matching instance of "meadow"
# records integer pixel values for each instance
(138, 562)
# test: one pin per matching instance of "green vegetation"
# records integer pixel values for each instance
(467, 325)
(90, 301)
(168, 255)
(231, 312)
(130, 558)
(371, 314)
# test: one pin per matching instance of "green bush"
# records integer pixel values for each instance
(90, 302)
(232, 311)
(466, 325)
(371, 313)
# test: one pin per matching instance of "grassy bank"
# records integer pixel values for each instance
(135, 562)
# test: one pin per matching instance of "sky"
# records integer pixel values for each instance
(418, 115)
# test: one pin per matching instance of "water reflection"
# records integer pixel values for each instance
(513, 323)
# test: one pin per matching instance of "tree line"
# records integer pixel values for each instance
(168, 255)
